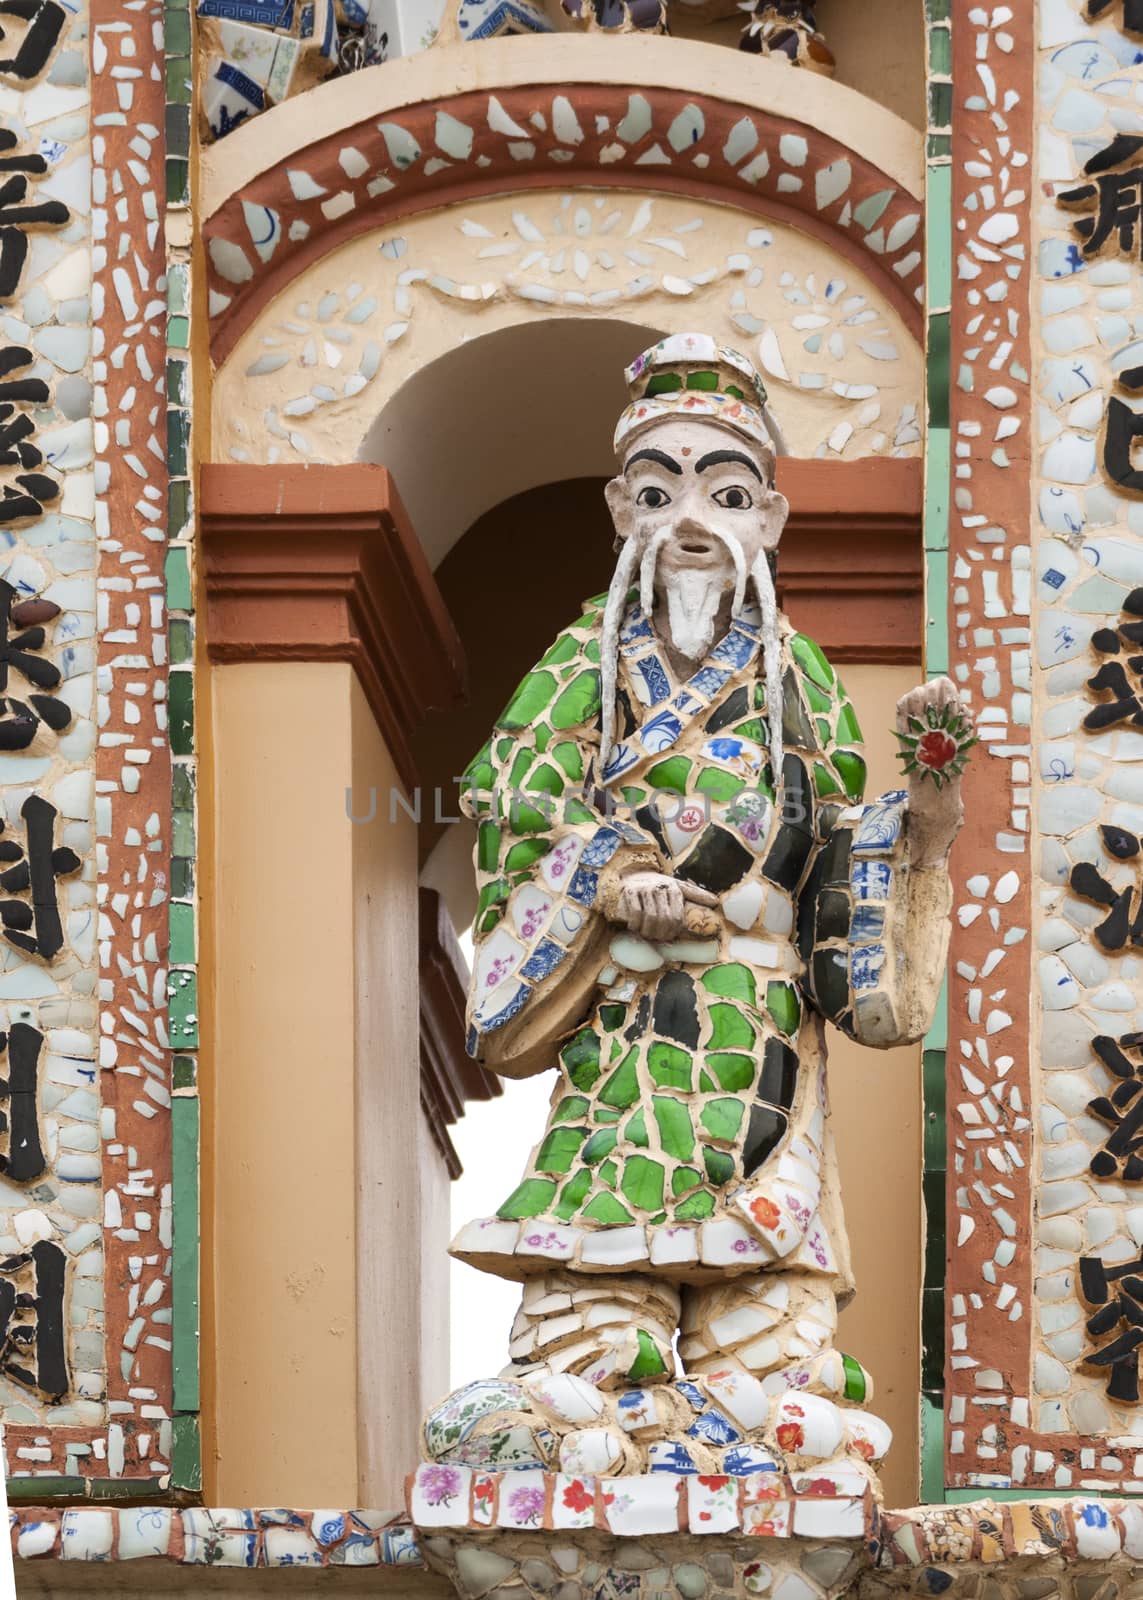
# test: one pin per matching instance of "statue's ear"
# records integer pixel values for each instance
(774, 513)
(621, 506)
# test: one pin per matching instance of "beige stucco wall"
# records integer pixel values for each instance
(328, 1193)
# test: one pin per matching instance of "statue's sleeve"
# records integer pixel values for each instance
(873, 930)
(549, 861)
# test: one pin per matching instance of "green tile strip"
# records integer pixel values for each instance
(183, 1025)
(938, 465)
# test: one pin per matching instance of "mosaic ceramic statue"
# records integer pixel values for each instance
(679, 886)
(786, 28)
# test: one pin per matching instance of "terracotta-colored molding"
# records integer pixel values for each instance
(322, 564)
(737, 157)
(449, 1077)
(851, 564)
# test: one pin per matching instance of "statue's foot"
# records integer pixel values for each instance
(613, 1336)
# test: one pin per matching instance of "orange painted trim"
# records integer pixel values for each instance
(851, 561)
(337, 207)
(322, 564)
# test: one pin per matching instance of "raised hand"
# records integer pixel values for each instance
(935, 729)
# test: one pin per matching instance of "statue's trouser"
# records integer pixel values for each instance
(620, 1329)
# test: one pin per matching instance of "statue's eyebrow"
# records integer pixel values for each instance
(718, 458)
(658, 457)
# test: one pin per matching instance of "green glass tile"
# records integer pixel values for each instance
(648, 1363)
(854, 1380)
(178, 509)
(591, 650)
(684, 1179)
(40, 1490)
(601, 1114)
(933, 1192)
(782, 1004)
(940, 51)
(937, 10)
(571, 1107)
(184, 1072)
(851, 770)
(186, 1456)
(632, 795)
(533, 696)
(492, 894)
(528, 1200)
(184, 1255)
(487, 846)
(177, 120)
(733, 981)
(729, 1029)
(671, 774)
(182, 832)
(600, 1145)
(818, 699)
(848, 727)
(719, 1166)
(567, 753)
(706, 1083)
(180, 692)
(940, 105)
(936, 612)
(636, 1130)
(566, 648)
(933, 1067)
(937, 489)
(182, 786)
(824, 781)
(178, 181)
(177, 374)
(182, 951)
(523, 760)
(178, 80)
(933, 1452)
(524, 854)
(606, 1208)
(825, 731)
(524, 818)
(937, 370)
(932, 1338)
(580, 1059)
(182, 876)
(181, 640)
(719, 786)
(810, 658)
(621, 1089)
(676, 1135)
(176, 32)
(734, 1072)
(545, 780)
(642, 1183)
(182, 1008)
(575, 811)
(670, 1066)
(722, 1118)
(177, 572)
(611, 1016)
(560, 1148)
(579, 702)
(938, 144)
(178, 332)
(608, 1173)
(178, 287)
(695, 1209)
(572, 1196)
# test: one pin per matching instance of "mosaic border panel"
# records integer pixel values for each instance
(988, 1195)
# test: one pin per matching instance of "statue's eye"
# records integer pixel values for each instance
(653, 497)
(736, 498)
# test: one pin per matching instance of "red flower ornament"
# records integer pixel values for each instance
(937, 745)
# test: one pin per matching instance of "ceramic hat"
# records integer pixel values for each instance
(690, 374)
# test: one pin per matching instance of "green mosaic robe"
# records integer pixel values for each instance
(688, 1132)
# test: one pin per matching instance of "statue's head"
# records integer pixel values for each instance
(694, 505)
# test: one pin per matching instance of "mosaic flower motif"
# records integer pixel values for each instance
(527, 1505)
(577, 1497)
(936, 746)
(440, 1485)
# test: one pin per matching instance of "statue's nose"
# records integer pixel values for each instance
(693, 536)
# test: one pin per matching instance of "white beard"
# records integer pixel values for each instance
(693, 599)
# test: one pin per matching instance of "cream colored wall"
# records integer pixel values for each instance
(402, 1187)
(330, 1223)
(876, 1113)
(284, 1325)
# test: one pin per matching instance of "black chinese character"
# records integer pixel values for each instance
(31, 49)
(38, 865)
(32, 1319)
(16, 449)
(1122, 923)
(1121, 677)
(1113, 201)
(20, 210)
(20, 719)
(24, 1161)
(1120, 1353)
(1122, 1109)
(1096, 10)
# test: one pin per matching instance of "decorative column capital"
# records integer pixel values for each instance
(321, 563)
